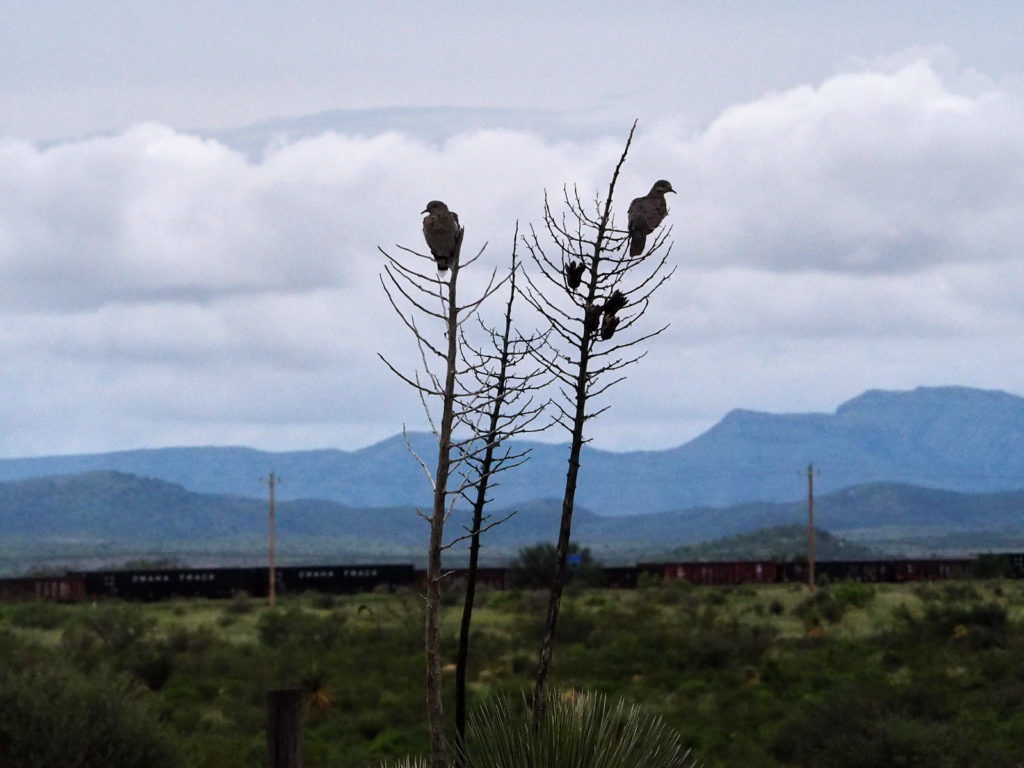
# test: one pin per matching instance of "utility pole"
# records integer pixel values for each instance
(810, 527)
(271, 481)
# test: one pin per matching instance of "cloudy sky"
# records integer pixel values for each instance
(192, 195)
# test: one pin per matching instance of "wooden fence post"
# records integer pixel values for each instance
(284, 728)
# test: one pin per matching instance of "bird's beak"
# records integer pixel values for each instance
(424, 210)
(672, 191)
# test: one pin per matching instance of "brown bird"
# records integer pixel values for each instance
(608, 325)
(442, 232)
(591, 318)
(615, 302)
(645, 214)
(574, 274)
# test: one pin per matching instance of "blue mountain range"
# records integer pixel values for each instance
(951, 438)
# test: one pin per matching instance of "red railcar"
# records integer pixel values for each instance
(713, 573)
(61, 589)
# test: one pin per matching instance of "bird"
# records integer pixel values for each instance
(591, 318)
(442, 232)
(615, 302)
(574, 274)
(645, 214)
(608, 325)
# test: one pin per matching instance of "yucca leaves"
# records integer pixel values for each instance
(580, 730)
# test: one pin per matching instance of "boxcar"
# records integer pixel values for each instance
(882, 570)
(219, 583)
(343, 578)
(620, 577)
(710, 573)
(164, 584)
(495, 578)
(69, 588)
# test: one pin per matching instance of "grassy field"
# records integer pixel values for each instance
(856, 675)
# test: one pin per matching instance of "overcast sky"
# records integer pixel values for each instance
(850, 208)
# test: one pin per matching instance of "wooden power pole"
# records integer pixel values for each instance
(810, 527)
(271, 481)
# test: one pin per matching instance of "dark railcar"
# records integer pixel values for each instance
(993, 565)
(1016, 565)
(220, 583)
(164, 584)
(621, 577)
(495, 578)
(340, 579)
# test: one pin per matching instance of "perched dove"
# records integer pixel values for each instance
(574, 274)
(608, 325)
(615, 302)
(442, 232)
(645, 214)
(591, 318)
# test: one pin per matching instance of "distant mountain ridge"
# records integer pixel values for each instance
(433, 125)
(953, 438)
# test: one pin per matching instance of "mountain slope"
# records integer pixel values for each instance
(947, 437)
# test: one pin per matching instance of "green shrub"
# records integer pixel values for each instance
(982, 625)
(117, 627)
(323, 601)
(960, 592)
(152, 666)
(533, 567)
(869, 723)
(277, 628)
(717, 596)
(37, 614)
(822, 605)
(55, 717)
(927, 593)
(853, 594)
(240, 605)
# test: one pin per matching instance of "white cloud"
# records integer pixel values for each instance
(161, 288)
(869, 172)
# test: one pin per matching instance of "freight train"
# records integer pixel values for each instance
(163, 584)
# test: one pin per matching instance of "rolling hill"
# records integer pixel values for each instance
(111, 516)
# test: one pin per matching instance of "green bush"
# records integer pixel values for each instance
(241, 604)
(853, 594)
(152, 666)
(278, 628)
(534, 567)
(821, 606)
(962, 592)
(870, 723)
(54, 718)
(323, 601)
(37, 614)
(117, 627)
(982, 625)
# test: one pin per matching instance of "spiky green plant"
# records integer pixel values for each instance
(405, 762)
(581, 730)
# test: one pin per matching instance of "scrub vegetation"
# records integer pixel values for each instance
(853, 675)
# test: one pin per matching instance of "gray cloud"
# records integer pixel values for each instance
(163, 288)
